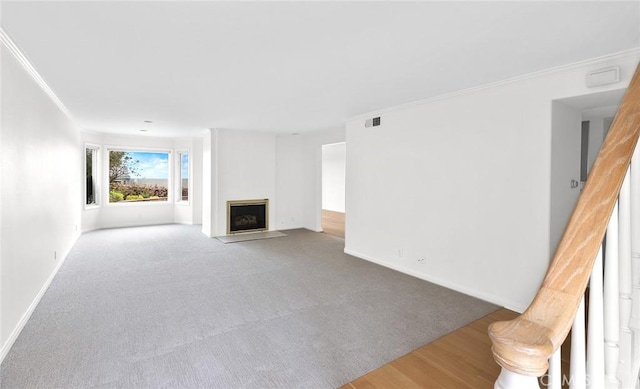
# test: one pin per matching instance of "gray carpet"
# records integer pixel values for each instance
(166, 307)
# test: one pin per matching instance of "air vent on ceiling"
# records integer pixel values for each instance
(372, 122)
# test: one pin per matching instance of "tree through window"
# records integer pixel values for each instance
(138, 176)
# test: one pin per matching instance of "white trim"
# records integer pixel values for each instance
(26, 64)
(498, 300)
(27, 315)
(603, 60)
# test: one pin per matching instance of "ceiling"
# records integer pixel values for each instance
(292, 66)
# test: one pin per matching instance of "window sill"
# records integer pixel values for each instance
(140, 204)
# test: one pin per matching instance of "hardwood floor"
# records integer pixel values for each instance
(333, 223)
(461, 359)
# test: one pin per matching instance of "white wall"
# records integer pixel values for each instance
(299, 177)
(137, 214)
(464, 182)
(334, 157)
(40, 195)
(295, 181)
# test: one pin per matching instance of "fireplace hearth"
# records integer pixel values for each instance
(247, 216)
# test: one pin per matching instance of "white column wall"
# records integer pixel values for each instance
(237, 165)
(294, 181)
(209, 183)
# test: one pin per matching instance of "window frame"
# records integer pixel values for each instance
(105, 180)
(178, 168)
(96, 173)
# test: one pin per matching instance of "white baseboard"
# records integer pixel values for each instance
(497, 300)
(25, 317)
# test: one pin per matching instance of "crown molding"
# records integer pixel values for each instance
(28, 67)
(603, 60)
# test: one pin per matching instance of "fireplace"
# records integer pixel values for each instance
(247, 216)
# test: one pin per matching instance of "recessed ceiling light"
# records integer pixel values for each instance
(144, 130)
(148, 121)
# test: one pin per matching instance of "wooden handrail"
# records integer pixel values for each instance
(524, 345)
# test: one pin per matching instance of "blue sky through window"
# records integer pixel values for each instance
(151, 165)
(184, 165)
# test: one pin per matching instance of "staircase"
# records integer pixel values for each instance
(600, 248)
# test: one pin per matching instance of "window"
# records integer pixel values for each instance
(138, 176)
(92, 180)
(183, 169)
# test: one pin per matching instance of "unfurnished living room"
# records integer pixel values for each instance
(221, 194)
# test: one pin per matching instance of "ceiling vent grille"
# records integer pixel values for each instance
(375, 122)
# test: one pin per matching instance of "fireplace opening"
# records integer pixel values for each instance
(247, 216)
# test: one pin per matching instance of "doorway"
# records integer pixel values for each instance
(333, 188)
(579, 126)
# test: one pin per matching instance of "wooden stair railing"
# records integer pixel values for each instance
(523, 346)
